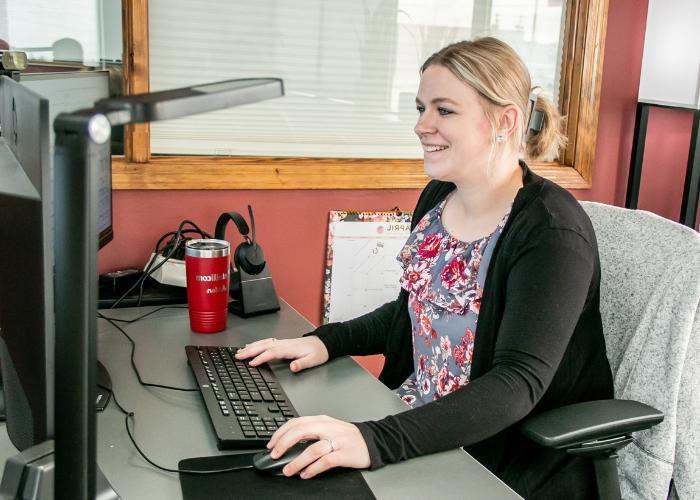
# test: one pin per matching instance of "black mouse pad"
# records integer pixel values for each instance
(251, 484)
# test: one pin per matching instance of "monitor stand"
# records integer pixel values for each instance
(2, 402)
(104, 387)
(30, 475)
(102, 397)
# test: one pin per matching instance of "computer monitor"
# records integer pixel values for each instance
(27, 279)
(26, 265)
(68, 92)
(55, 213)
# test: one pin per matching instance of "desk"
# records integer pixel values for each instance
(171, 425)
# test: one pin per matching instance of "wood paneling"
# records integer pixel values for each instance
(137, 139)
(580, 83)
(589, 93)
(214, 172)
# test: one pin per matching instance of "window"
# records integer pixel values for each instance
(68, 33)
(342, 108)
(350, 68)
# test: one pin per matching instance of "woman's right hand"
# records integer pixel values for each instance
(306, 352)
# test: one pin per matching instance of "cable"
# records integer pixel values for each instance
(133, 362)
(131, 415)
(138, 318)
(179, 234)
(198, 231)
(150, 268)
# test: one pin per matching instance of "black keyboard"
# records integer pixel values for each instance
(245, 403)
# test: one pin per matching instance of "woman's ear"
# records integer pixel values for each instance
(508, 120)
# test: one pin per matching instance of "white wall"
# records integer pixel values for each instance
(671, 61)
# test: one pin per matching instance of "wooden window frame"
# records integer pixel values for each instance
(582, 63)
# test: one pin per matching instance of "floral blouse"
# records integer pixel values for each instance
(444, 278)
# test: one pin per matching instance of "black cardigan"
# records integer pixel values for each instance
(539, 345)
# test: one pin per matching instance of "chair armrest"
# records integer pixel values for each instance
(589, 421)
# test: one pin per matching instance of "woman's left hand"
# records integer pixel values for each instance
(340, 444)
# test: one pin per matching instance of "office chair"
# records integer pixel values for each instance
(649, 300)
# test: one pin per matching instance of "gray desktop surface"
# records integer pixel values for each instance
(172, 425)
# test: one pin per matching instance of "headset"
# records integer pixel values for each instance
(248, 256)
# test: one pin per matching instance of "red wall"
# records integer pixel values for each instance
(292, 225)
(665, 161)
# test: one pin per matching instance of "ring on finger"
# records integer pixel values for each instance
(330, 442)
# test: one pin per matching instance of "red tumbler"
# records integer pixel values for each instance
(207, 264)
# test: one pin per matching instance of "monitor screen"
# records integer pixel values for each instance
(68, 92)
(26, 265)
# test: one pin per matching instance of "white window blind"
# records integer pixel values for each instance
(350, 68)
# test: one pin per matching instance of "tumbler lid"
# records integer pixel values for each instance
(207, 248)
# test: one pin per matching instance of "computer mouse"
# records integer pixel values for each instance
(263, 462)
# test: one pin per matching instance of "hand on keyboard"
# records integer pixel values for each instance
(246, 404)
(306, 352)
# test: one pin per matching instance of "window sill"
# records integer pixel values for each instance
(206, 172)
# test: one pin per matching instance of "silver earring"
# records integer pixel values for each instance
(500, 138)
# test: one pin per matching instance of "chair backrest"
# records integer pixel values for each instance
(650, 294)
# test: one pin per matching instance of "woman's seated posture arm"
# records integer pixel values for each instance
(498, 317)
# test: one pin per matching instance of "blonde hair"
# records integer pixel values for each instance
(496, 72)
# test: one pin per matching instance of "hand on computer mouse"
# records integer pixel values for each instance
(264, 462)
(340, 444)
(306, 352)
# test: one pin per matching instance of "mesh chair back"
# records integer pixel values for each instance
(650, 293)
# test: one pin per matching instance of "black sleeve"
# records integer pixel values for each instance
(546, 289)
(361, 336)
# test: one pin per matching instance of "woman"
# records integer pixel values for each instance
(498, 315)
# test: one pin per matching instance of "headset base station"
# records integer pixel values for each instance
(257, 295)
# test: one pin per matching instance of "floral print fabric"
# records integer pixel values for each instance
(444, 278)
